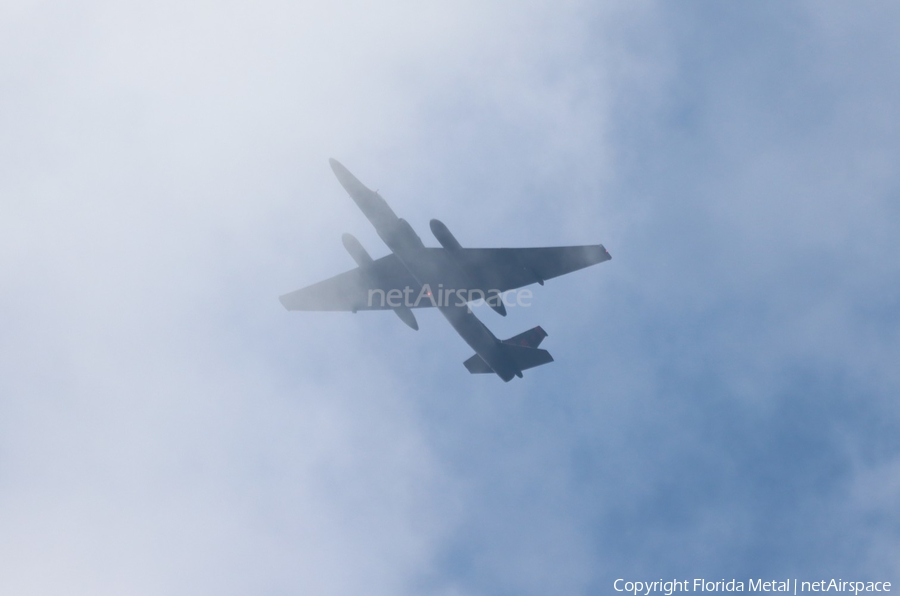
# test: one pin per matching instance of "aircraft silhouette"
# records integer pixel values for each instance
(447, 278)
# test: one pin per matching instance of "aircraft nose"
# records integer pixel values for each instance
(352, 185)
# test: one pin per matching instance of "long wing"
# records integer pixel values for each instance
(357, 289)
(504, 269)
(487, 269)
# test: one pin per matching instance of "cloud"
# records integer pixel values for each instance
(722, 396)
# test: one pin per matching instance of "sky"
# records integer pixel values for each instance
(724, 397)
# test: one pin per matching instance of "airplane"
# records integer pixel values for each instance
(412, 274)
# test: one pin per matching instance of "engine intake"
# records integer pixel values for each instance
(356, 250)
(444, 236)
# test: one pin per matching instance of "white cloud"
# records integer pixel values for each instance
(166, 427)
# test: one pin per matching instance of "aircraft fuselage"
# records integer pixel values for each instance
(403, 241)
(449, 278)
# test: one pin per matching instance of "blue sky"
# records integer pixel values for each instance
(724, 397)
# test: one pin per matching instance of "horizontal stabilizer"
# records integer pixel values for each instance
(525, 358)
(476, 365)
(516, 357)
(530, 339)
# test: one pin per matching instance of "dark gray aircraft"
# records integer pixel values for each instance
(447, 278)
